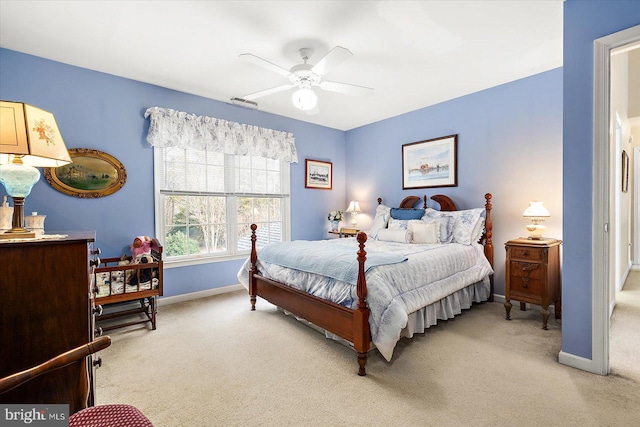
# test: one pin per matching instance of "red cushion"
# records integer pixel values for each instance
(109, 416)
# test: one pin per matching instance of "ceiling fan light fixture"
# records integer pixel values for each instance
(304, 99)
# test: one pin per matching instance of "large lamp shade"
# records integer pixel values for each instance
(29, 138)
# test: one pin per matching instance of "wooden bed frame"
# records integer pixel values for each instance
(349, 324)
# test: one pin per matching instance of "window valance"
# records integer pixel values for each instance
(171, 128)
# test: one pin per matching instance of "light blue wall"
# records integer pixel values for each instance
(584, 21)
(101, 111)
(509, 144)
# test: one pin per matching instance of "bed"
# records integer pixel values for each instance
(398, 289)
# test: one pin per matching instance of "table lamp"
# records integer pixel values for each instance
(537, 213)
(354, 208)
(29, 138)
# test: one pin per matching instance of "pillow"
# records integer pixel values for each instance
(446, 227)
(395, 224)
(478, 230)
(383, 210)
(425, 232)
(464, 223)
(379, 223)
(394, 235)
(406, 214)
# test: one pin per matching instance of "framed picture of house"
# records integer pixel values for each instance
(431, 163)
(625, 171)
(318, 174)
(92, 174)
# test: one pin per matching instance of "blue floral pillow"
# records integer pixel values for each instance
(465, 223)
(380, 221)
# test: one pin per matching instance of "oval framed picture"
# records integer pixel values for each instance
(92, 174)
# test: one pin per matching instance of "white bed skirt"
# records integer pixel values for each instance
(444, 309)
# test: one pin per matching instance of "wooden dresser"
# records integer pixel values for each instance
(46, 308)
(533, 275)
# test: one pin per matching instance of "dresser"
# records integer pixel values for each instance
(533, 275)
(46, 308)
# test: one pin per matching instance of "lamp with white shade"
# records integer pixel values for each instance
(536, 212)
(354, 209)
(29, 138)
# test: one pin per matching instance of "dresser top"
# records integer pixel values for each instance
(53, 237)
(524, 241)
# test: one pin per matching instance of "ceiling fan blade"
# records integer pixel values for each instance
(335, 57)
(266, 92)
(347, 89)
(266, 64)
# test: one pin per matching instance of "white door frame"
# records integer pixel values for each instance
(600, 204)
(636, 211)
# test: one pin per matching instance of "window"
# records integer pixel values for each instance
(206, 202)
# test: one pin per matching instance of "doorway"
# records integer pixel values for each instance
(602, 213)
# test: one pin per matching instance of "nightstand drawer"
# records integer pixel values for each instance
(525, 269)
(526, 254)
(525, 286)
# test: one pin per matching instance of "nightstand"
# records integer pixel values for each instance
(345, 232)
(533, 275)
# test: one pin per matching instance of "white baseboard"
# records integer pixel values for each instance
(200, 294)
(635, 267)
(578, 362)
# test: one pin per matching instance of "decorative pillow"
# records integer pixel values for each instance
(379, 223)
(425, 232)
(399, 235)
(446, 227)
(395, 224)
(465, 222)
(406, 214)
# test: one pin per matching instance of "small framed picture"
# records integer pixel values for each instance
(318, 174)
(431, 163)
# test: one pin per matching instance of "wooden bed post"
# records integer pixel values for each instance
(254, 268)
(361, 330)
(488, 244)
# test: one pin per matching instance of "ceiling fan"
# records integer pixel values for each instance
(306, 76)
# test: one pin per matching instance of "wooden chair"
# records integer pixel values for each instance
(117, 415)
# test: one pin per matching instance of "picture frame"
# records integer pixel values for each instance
(431, 163)
(625, 171)
(92, 174)
(318, 174)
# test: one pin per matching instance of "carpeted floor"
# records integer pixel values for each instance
(213, 362)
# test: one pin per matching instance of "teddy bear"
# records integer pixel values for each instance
(141, 245)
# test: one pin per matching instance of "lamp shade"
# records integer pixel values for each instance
(354, 206)
(31, 134)
(304, 99)
(536, 210)
(29, 138)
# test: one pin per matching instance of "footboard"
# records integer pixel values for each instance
(349, 324)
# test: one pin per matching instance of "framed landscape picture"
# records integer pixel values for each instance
(92, 174)
(318, 174)
(431, 163)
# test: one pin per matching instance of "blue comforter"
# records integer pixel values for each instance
(332, 260)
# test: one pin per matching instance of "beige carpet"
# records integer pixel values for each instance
(213, 362)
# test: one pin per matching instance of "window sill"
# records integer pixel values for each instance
(167, 264)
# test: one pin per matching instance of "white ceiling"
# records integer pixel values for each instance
(413, 53)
